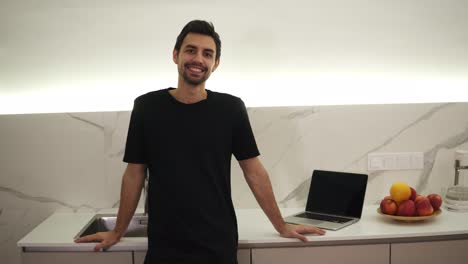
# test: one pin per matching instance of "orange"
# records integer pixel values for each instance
(400, 191)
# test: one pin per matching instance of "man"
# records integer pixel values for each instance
(185, 137)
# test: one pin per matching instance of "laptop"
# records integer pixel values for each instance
(335, 200)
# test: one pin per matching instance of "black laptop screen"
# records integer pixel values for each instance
(338, 193)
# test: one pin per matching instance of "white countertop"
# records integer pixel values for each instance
(56, 233)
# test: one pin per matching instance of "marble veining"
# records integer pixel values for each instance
(77, 166)
(284, 153)
(42, 199)
(388, 141)
(119, 153)
(302, 113)
(109, 129)
(263, 130)
(251, 111)
(300, 192)
(430, 156)
(74, 116)
(110, 134)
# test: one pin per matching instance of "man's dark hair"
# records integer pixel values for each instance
(200, 27)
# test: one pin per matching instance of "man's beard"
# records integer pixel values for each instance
(192, 81)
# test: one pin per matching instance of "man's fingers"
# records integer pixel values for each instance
(317, 230)
(297, 231)
(310, 229)
(105, 239)
(320, 231)
(301, 237)
(105, 244)
(90, 238)
(100, 246)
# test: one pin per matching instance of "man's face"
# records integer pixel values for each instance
(196, 58)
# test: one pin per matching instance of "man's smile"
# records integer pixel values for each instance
(195, 68)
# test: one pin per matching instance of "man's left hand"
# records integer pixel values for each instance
(297, 231)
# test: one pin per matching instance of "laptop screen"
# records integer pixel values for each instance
(338, 193)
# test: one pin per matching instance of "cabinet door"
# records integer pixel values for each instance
(76, 257)
(453, 252)
(353, 254)
(139, 257)
(243, 256)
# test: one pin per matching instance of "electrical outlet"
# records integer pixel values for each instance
(395, 161)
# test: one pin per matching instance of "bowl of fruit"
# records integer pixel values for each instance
(405, 204)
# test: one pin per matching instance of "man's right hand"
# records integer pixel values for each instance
(132, 184)
(106, 239)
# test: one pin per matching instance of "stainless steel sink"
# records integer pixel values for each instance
(106, 222)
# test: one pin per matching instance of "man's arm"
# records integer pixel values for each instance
(259, 182)
(132, 184)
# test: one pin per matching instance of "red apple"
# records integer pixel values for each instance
(413, 194)
(418, 198)
(387, 197)
(424, 207)
(406, 208)
(435, 200)
(388, 206)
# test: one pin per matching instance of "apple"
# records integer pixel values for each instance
(388, 206)
(406, 208)
(435, 200)
(388, 197)
(413, 194)
(424, 207)
(418, 198)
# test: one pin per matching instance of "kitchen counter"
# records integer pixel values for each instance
(56, 233)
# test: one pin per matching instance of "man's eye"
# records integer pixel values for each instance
(190, 50)
(209, 55)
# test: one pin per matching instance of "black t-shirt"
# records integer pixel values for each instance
(188, 149)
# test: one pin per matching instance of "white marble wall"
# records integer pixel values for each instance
(72, 161)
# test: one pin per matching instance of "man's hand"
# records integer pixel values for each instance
(296, 231)
(106, 239)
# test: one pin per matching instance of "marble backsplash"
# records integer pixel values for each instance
(73, 161)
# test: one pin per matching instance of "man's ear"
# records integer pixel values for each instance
(175, 54)
(215, 65)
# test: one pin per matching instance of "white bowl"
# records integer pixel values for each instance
(455, 207)
(456, 202)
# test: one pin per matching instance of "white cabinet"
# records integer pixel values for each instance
(352, 254)
(243, 256)
(139, 257)
(453, 252)
(431, 252)
(76, 257)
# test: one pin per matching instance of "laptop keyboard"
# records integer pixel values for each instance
(329, 218)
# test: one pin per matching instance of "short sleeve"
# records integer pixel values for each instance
(244, 145)
(135, 146)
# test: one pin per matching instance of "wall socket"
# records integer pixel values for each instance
(395, 161)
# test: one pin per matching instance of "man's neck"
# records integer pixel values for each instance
(189, 94)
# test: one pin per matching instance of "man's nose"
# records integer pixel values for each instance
(198, 57)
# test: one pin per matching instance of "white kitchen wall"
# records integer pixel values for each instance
(72, 54)
(72, 161)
